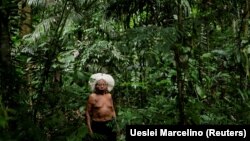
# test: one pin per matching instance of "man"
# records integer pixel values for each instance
(100, 112)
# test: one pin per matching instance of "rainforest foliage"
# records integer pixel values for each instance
(174, 62)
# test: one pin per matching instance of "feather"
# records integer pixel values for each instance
(98, 76)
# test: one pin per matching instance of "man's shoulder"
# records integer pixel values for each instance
(109, 94)
(92, 95)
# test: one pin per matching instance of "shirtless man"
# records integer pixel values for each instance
(100, 112)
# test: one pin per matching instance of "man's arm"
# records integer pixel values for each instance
(113, 107)
(88, 112)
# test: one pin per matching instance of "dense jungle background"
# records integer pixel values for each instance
(175, 62)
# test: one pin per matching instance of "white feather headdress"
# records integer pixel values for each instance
(98, 76)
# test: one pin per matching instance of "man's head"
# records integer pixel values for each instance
(101, 85)
(101, 78)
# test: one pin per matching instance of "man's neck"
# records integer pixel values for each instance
(100, 92)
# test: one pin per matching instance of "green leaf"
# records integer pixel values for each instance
(200, 92)
(248, 50)
(206, 55)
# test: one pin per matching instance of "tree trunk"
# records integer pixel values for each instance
(5, 59)
(26, 22)
(8, 80)
(180, 82)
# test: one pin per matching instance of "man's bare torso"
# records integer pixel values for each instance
(102, 107)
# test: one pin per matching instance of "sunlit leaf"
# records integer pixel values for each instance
(206, 56)
(200, 92)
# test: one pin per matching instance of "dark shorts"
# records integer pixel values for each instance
(104, 130)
